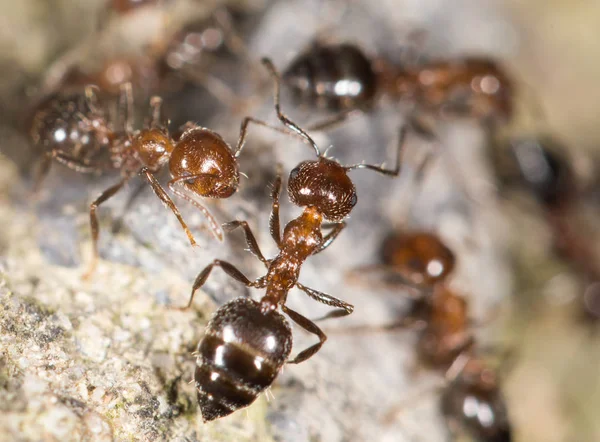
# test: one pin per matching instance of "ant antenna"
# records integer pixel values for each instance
(283, 118)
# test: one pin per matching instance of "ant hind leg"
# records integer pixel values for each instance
(310, 327)
(95, 228)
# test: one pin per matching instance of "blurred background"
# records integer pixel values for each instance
(107, 359)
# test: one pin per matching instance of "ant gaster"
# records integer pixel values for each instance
(471, 399)
(341, 78)
(246, 341)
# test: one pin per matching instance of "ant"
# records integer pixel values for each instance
(247, 342)
(471, 399)
(342, 79)
(69, 129)
(200, 162)
(544, 171)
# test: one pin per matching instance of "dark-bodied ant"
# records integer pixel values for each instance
(200, 162)
(471, 399)
(341, 78)
(71, 130)
(246, 342)
(544, 171)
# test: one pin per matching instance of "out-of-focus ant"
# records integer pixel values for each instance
(471, 400)
(247, 342)
(545, 172)
(341, 78)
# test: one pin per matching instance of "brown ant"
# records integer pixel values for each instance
(200, 162)
(341, 78)
(246, 341)
(471, 399)
(70, 129)
(544, 172)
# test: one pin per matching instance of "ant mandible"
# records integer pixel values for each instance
(247, 342)
(341, 78)
(471, 399)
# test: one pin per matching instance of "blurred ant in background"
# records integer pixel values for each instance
(164, 65)
(539, 165)
(471, 400)
(342, 79)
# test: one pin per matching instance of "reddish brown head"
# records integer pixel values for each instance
(421, 257)
(207, 159)
(325, 185)
(153, 147)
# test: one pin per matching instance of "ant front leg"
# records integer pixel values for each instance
(250, 239)
(126, 106)
(73, 163)
(310, 327)
(274, 220)
(162, 195)
(383, 277)
(108, 193)
(331, 236)
(380, 169)
(331, 122)
(324, 298)
(214, 226)
(230, 270)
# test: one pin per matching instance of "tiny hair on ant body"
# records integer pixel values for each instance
(471, 400)
(247, 342)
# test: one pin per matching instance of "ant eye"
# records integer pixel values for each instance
(294, 173)
(353, 200)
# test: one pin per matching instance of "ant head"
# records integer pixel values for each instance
(421, 257)
(153, 146)
(204, 157)
(325, 185)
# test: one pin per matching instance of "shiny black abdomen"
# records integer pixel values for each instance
(239, 357)
(336, 77)
(481, 413)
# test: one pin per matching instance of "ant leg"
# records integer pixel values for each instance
(126, 106)
(73, 163)
(380, 169)
(214, 226)
(216, 87)
(162, 195)
(155, 107)
(331, 236)
(406, 323)
(41, 172)
(381, 276)
(280, 115)
(328, 300)
(274, 223)
(310, 327)
(332, 122)
(230, 270)
(95, 228)
(91, 97)
(244, 132)
(250, 239)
